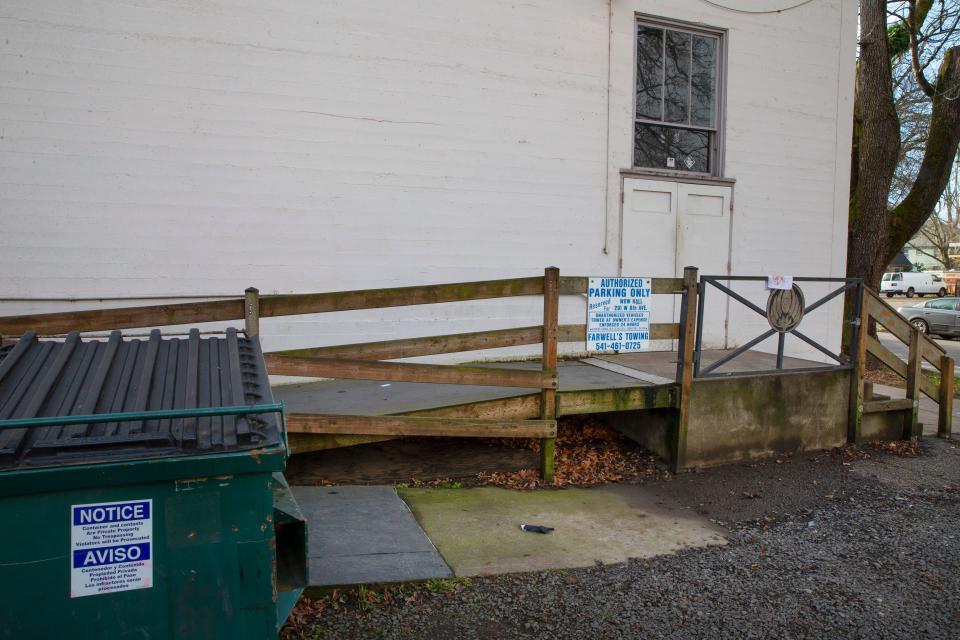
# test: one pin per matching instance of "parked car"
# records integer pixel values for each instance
(911, 283)
(940, 317)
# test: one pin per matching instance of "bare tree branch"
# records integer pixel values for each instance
(917, 15)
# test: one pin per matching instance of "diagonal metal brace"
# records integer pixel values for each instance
(739, 298)
(830, 296)
(816, 345)
(738, 351)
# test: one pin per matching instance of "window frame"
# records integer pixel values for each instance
(717, 148)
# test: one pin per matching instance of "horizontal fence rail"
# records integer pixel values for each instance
(879, 406)
(58, 323)
(128, 317)
(297, 304)
(343, 368)
(421, 426)
(459, 342)
(270, 306)
(426, 346)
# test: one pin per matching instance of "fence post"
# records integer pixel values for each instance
(945, 422)
(548, 396)
(688, 336)
(251, 312)
(914, 362)
(858, 355)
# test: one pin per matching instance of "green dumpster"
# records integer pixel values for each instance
(141, 491)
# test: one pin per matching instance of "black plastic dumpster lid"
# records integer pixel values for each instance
(82, 377)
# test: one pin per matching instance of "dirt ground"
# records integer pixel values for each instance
(588, 452)
(407, 461)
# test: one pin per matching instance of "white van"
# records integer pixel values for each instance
(910, 283)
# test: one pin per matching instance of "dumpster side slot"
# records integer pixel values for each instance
(290, 534)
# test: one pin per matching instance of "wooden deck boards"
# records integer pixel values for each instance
(583, 389)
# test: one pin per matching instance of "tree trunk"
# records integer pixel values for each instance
(876, 149)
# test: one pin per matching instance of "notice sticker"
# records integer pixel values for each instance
(780, 282)
(111, 547)
(618, 314)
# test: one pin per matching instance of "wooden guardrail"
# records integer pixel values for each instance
(365, 361)
(163, 315)
(349, 369)
(920, 348)
(422, 426)
(268, 306)
(459, 342)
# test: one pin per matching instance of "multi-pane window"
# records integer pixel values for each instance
(676, 120)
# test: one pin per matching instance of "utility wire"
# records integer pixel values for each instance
(734, 9)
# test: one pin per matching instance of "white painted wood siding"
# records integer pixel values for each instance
(189, 148)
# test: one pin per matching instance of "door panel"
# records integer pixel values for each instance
(649, 237)
(649, 228)
(667, 226)
(938, 319)
(699, 204)
(703, 241)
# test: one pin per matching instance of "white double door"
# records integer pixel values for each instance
(667, 226)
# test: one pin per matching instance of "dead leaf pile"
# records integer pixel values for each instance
(901, 448)
(588, 453)
(850, 452)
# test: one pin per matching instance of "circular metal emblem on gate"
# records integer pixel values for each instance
(785, 309)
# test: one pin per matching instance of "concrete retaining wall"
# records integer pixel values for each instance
(748, 417)
(751, 417)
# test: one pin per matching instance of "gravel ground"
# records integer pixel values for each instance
(818, 547)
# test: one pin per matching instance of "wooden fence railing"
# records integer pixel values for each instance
(920, 348)
(365, 361)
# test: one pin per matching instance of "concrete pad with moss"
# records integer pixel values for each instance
(477, 531)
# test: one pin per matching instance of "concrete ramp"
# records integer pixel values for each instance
(364, 535)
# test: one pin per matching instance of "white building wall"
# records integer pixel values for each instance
(157, 149)
(789, 101)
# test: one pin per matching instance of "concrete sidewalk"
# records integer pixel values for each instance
(367, 535)
(478, 530)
